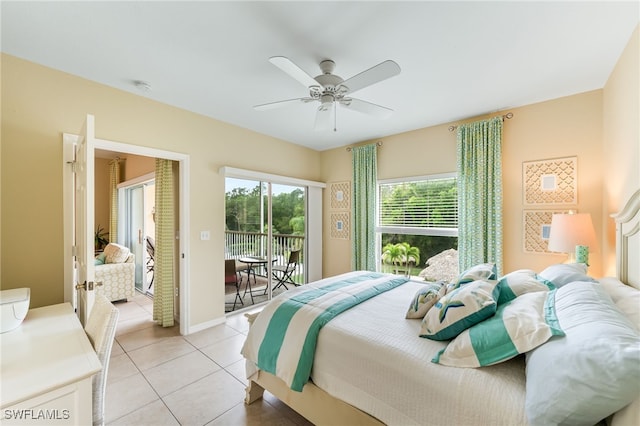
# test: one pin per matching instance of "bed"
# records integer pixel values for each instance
(370, 366)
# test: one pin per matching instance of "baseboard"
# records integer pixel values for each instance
(204, 325)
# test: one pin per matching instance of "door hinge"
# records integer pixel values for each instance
(74, 250)
(73, 165)
(177, 292)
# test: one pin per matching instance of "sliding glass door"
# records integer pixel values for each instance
(138, 229)
(265, 220)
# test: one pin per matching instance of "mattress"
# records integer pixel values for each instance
(372, 358)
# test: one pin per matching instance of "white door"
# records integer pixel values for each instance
(83, 252)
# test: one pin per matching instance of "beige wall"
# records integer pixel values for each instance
(134, 166)
(621, 140)
(39, 104)
(563, 127)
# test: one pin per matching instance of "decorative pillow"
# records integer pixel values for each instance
(424, 299)
(520, 282)
(115, 253)
(518, 326)
(564, 273)
(460, 309)
(100, 259)
(483, 271)
(590, 373)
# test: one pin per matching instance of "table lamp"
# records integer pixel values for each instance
(572, 233)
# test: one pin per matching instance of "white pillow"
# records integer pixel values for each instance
(564, 273)
(424, 299)
(593, 371)
(520, 282)
(518, 326)
(460, 309)
(115, 253)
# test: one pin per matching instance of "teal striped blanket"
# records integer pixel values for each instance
(282, 339)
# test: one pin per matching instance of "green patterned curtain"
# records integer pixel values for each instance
(479, 157)
(114, 180)
(163, 309)
(365, 177)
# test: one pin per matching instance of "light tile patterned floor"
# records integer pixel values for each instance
(157, 377)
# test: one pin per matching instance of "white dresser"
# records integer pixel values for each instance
(46, 366)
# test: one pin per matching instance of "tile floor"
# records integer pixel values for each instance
(158, 377)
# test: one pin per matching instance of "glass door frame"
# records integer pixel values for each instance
(313, 214)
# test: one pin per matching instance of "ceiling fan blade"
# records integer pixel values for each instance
(382, 71)
(323, 116)
(278, 104)
(293, 70)
(366, 107)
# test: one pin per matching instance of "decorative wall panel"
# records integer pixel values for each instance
(340, 225)
(537, 226)
(552, 181)
(341, 195)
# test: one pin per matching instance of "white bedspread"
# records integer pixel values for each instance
(371, 357)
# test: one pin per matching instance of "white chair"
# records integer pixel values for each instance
(101, 330)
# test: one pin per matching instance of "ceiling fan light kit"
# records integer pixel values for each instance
(330, 89)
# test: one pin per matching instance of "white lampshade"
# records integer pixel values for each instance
(571, 230)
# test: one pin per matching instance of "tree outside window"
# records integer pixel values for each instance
(417, 219)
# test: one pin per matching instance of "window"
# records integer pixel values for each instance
(421, 212)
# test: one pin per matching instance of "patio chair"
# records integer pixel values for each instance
(232, 278)
(283, 273)
(151, 259)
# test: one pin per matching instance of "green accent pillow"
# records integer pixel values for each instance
(520, 282)
(518, 326)
(100, 259)
(424, 299)
(460, 309)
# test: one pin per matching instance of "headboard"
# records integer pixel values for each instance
(628, 242)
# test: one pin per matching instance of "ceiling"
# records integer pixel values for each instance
(458, 59)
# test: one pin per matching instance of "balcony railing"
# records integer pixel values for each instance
(239, 244)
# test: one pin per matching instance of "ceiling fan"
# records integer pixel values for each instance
(329, 89)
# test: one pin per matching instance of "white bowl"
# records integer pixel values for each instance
(14, 305)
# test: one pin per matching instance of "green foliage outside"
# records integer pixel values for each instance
(422, 204)
(243, 211)
(400, 256)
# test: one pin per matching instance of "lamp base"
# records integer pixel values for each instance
(582, 254)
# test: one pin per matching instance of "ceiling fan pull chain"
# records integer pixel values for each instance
(335, 116)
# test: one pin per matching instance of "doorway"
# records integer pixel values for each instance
(182, 219)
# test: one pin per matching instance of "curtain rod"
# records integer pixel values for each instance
(379, 143)
(508, 116)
